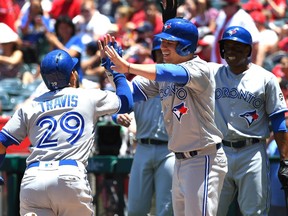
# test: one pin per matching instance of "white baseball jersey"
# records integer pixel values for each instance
(60, 123)
(247, 101)
(188, 110)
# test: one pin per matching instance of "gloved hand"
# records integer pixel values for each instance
(283, 174)
(1, 181)
(106, 62)
(170, 11)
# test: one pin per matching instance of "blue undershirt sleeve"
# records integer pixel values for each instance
(5, 140)
(137, 93)
(171, 73)
(278, 122)
(124, 93)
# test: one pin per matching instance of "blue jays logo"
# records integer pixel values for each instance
(232, 31)
(180, 110)
(167, 26)
(250, 117)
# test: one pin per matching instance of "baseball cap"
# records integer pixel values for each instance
(7, 34)
(258, 17)
(145, 27)
(252, 5)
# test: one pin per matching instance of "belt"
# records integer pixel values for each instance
(184, 155)
(152, 141)
(61, 163)
(241, 144)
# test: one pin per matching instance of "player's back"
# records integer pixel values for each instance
(60, 123)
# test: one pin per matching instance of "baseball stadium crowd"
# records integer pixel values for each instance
(29, 29)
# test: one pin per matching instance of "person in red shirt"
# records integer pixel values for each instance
(8, 14)
(69, 8)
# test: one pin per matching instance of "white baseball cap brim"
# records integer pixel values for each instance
(7, 34)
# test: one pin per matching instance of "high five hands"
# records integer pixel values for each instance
(109, 48)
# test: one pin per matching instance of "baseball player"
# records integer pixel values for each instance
(186, 87)
(247, 97)
(153, 163)
(59, 124)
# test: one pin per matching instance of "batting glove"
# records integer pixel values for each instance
(1, 181)
(106, 62)
(283, 174)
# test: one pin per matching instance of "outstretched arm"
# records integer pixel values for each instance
(122, 88)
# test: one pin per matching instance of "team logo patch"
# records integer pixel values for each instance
(250, 117)
(180, 110)
(232, 31)
(167, 26)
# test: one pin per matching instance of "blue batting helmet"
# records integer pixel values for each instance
(56, 68)
(156, 46)
(184, 32)
(238, 34)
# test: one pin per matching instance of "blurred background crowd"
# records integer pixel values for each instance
(31, 28)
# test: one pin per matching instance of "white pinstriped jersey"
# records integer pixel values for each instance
(60, 124)
(188, 110)
(244, 102)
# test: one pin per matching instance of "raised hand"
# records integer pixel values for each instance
(111, 51)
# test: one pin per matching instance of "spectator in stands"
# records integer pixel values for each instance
(91, 66)
(9, 12)
(268, 39)
(204, 47)
(275, 8)
(70, 8)
(32, 29)
(65, 38)
(231, 14)
(205, 18)
(109, 8)
(154, 17)
(252, 5)
(91, 24)
(139, 15)
(11, 58)
(124, 27)
(187, 9)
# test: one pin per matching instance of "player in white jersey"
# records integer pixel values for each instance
(247, 97)
(59, 124)
(186, 87)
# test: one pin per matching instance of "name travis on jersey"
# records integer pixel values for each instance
(60, 102)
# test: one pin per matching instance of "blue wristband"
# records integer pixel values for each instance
(114, 118)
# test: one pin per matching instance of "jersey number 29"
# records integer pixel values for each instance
(71, 123)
